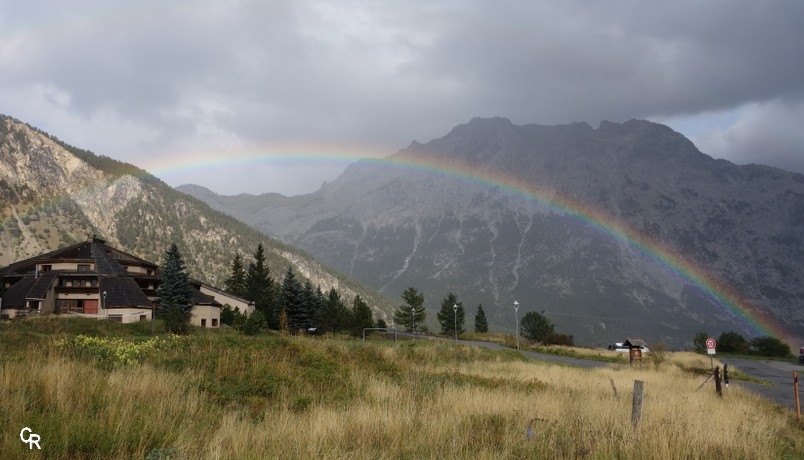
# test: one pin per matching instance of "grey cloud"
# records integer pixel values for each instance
(385, 73)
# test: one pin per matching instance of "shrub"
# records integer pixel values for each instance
(770, 346)
(254, 323)
(111, 352)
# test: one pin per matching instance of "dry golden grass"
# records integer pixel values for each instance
(410, 401)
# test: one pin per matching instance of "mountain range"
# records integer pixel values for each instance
(54, 195)
(624, 230)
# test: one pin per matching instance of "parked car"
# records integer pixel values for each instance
(624, 348)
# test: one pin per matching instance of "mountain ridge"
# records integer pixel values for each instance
(394, 227)
(55, 195)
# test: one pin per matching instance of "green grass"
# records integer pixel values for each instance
(219, 394)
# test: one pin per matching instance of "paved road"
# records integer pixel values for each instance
(541, 356)
(779, 373)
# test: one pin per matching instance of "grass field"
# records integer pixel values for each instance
(102, 390)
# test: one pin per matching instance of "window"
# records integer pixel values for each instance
(83, 267)
(203, 323)
(214, 322)
(116, 318)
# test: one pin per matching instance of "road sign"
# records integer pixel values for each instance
(710, 343)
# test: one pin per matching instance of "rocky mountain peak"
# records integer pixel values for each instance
(490, 243)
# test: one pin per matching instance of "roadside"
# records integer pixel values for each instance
(778, 373)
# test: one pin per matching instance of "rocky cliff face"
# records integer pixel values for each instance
(495, 212)
(54, 195)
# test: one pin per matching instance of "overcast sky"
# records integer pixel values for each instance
(180, 87)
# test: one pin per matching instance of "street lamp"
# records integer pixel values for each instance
(105, 313)
(455, 309)
(516, 313)
(413, 319)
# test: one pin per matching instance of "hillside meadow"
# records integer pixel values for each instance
(99, 390)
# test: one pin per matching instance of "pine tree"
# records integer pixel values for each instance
(314, 300)
(236, 284)
(175, 292)
(261, 288)
(448, 315)
(481, 324)
(411, 315)
(361, 316)
(335, 316)
(291, 300)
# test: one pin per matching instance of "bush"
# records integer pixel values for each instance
(536, 327)
(254, 323)
(560, 339)
(770, 346)
(112, 352)
(732, 342)
(231, 316)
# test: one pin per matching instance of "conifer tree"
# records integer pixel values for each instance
(481, 323)
(291, 300)
(261, 288)
(236, 284)
(175, 292)
(335, 316)
(314, 300)
(448, 316)
(411, 314)
(361, 316)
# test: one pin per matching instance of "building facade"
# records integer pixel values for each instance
(94, 280)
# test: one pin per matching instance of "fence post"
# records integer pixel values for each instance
(718, 387)
(616, 396)
(798, 401)
(636, 407)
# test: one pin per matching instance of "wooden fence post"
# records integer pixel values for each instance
(798, 401)
(718, 388)
(636, 407)
(614, 388)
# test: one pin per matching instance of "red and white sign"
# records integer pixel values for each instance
(710, 343)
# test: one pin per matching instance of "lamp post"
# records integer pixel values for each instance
(105, 313)
(516, 313)
(455, 309)
(413, 319)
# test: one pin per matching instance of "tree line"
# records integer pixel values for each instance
(298, 307)
(289, 304)
(733, 342)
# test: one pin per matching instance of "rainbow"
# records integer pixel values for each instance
(718, 292)
(729, 300)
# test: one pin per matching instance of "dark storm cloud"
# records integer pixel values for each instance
(128, 78)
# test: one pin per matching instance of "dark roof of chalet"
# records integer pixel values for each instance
(123, 292)
(635, 341)
(198, 284)
(105, 257)
(199, 298)
(39, 289)
(105, 264)
(15, 296)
